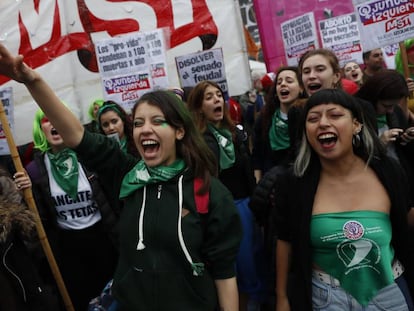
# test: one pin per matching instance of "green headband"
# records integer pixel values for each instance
(108, 107)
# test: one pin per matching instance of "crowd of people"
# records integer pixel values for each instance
(303, 202)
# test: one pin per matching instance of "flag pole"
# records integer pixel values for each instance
(28, 196)
(404, 59)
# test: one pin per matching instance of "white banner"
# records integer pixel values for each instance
(384, 22)
(131, 65)
(299, 35)
(196, 67)
(57, 38)
(341, 35)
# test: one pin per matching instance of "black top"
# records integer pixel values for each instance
(239, 178)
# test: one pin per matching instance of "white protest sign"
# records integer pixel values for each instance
(196, 67)
(6, 96)
(299, 36)
(157, 47)
(384, 22)
(389, 53)
(131, 65)
(341, 35)
(56, 37)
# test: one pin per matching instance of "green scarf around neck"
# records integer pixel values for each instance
(279, 132)
(381, 121)
(65, 170)
(123, 145)
(142, 175)
(226, 146)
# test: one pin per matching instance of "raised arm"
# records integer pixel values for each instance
(66, 123)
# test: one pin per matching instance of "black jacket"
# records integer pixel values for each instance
(21, 287)
(46, 206)
(239, 178)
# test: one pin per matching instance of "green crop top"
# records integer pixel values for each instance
(354, 247)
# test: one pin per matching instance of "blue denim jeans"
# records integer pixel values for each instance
(330, 297)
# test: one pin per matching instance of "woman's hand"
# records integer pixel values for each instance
(14, 67)
(22, 181)
(391, 135)
(410, 84)
(407, 136)
(282, 304)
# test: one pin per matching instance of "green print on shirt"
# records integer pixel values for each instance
(355, 248)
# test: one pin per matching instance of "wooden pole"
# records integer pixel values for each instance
(28, 196)
(404, 59)
(408, 106)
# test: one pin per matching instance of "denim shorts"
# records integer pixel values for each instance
(333, 298)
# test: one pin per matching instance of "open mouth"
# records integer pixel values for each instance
(150, 145)
(284, 92)
(314, 86)
(327, 139)
(355, 75)
(54, 132)
(218, 109)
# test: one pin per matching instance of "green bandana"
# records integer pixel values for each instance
(226, 147)
(142, 175)
(64, 166)
(123, 144)
(381, 121)
(278, 133)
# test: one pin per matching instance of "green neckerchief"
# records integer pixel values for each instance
(123, 144)
(65, 171)
(381, 121)
(142, 175)
(226, 147)
(279, 133)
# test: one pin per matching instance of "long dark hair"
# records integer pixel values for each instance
(386, 84)
(195, 103)
(192, 148)
(273, 102)
(110, 105)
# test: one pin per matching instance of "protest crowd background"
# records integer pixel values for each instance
(305, 122)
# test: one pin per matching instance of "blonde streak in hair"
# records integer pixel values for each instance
(368, 143)
(303, 158)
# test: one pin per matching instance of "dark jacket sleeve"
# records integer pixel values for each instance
(223, 232)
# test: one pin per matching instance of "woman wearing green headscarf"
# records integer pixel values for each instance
(74, 212)
(113, 121)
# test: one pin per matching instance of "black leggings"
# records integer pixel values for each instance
(87, 261)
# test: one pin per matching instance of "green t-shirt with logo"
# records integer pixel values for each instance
(355, 248)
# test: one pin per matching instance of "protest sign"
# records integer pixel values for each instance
(57, 37)
(341, 35)
(207, 65)
(384, 22)
(299, 35)
(131, 65)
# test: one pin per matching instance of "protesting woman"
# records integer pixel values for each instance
(172, 255)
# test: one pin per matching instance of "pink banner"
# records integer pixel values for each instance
(271, 13)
